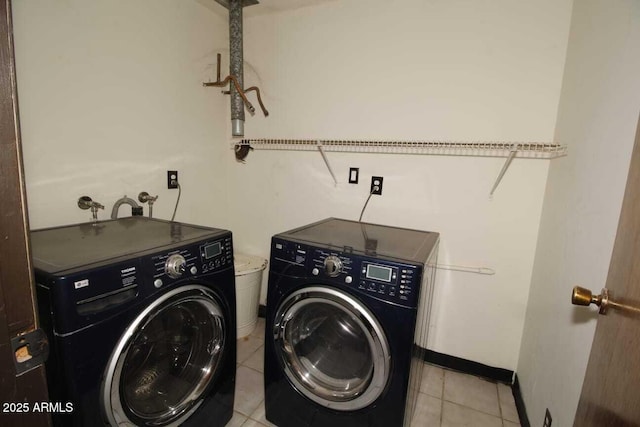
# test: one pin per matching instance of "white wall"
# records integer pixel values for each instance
(412, 70)
(597, 117)
(111, 97)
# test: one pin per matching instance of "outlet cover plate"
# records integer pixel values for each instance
(376, 185)
(172, 179)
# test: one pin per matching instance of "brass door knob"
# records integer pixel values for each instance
(582, 296)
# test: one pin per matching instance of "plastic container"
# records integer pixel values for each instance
(249, 270)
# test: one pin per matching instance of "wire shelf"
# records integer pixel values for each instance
(532, 150)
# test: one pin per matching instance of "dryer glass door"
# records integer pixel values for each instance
(166, 360)
(332, 348)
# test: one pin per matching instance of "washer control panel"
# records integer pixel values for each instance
(216, 255)
(205, 257)
(175, 266)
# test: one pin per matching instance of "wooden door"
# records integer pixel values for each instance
(611, 390)
(17, 310)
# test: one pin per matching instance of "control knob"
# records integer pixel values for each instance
(175, 266)
(332, 266)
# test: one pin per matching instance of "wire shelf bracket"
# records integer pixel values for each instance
(326, 161)
(506, 165)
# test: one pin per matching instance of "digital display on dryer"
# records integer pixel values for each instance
(377, 272)
(212, 250)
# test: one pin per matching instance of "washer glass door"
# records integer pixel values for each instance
(332, 349)
(166, 360)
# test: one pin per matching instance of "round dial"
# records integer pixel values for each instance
(332, 266)
(175, 266)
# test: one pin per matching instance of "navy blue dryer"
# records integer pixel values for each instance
(347, 318)
(140, 315)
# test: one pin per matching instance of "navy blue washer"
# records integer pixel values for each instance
(131, 326)
(346, 324)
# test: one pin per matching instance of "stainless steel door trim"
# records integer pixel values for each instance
(306, 372)
(295, 371)
(110, 391)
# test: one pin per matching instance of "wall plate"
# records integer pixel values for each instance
(353, 175)
(172, 179)
(376, 185)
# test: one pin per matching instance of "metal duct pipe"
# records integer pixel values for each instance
(236, 68)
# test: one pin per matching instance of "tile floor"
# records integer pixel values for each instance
(446, 399)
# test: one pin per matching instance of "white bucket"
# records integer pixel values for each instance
(248, 281)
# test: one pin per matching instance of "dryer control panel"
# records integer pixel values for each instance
(385, 279)
(396, 281)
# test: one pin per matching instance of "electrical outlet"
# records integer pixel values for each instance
(353, 175)
(376, 185)
(547, 419)
(172, 179)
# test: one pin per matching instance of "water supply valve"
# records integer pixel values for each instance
(85, 202)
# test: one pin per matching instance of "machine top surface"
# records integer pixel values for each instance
(61, 248)
(368, 239)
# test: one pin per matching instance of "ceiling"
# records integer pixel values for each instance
(264, 7)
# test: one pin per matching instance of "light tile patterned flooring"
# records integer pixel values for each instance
(446, 398)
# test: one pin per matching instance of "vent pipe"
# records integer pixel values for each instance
(236, 66)
(236, 59)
